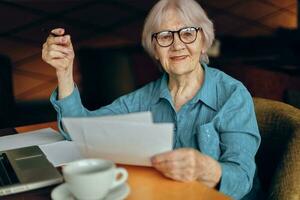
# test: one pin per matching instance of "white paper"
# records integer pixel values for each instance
(124, 142)
(61, 153)
(144, 117)
(41, 136)
(75, 125)
(128, 143)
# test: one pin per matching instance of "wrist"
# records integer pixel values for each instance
(211, 172)
(65, 74)
(65, 89)
(65, 82)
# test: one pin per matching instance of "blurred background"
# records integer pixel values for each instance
(257, 42)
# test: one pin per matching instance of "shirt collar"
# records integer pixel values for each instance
(207, 93)
(164, 89)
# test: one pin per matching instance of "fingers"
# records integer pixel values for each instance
(177, 154)
(180, 171)
(56, 54)
(59, 40)
(169, 165)
(188, 164)
(174, 176)
(56, 51)
(59, 48)
(180, 164)
(167, 156)
(58, 31)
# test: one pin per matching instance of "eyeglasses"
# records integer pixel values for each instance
(166, 38)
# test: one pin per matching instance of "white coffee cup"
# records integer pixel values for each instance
(91, 179)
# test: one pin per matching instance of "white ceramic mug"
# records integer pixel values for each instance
(92, 179)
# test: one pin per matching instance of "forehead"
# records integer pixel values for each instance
(171, 19)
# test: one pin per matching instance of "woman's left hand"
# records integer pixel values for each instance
(187, 164)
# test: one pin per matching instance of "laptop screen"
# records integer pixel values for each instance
(7, 173)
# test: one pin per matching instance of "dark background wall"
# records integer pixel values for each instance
(259, 45)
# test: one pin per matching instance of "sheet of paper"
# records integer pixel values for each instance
(76, 129)
(61, 153)
(120, 141)
(42, 136)
(144, 117)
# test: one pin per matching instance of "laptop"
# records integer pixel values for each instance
(26, 169)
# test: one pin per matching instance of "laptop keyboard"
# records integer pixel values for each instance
(7, 173)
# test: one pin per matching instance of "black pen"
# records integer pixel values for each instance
(54, 35)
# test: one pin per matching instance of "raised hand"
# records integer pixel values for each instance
(59, 53)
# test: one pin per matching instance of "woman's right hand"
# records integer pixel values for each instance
(58, 52)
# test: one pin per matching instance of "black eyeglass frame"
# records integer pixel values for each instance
(154, 35)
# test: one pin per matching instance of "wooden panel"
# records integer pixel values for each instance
(253, 9)
(38, 67)
(17, 50)
(23, 83)
(40, 92)
(221, 4)
(282, 3)
(283, 19)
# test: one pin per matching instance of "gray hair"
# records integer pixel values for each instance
(190, 11)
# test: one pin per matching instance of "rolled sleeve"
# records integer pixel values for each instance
(69, 106)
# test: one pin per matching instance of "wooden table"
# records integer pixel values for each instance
(145, 183)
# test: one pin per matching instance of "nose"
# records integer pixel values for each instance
(177, 43)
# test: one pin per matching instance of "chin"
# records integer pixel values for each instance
(181, 68)
(181, 72)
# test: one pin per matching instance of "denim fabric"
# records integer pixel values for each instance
(219, 121)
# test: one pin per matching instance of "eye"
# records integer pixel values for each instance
(166, 35)
(187, 32)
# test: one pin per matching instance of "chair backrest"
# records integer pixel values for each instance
(7, 101)
(278, 158)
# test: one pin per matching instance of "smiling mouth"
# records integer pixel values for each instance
(178, 58)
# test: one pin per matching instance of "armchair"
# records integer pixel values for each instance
(278, 158)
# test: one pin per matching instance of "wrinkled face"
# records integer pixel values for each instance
(179, 58)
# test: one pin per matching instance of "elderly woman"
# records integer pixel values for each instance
(216, 135)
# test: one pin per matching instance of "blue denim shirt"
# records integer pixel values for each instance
(219, 121)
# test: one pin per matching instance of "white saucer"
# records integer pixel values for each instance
(61, 192)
